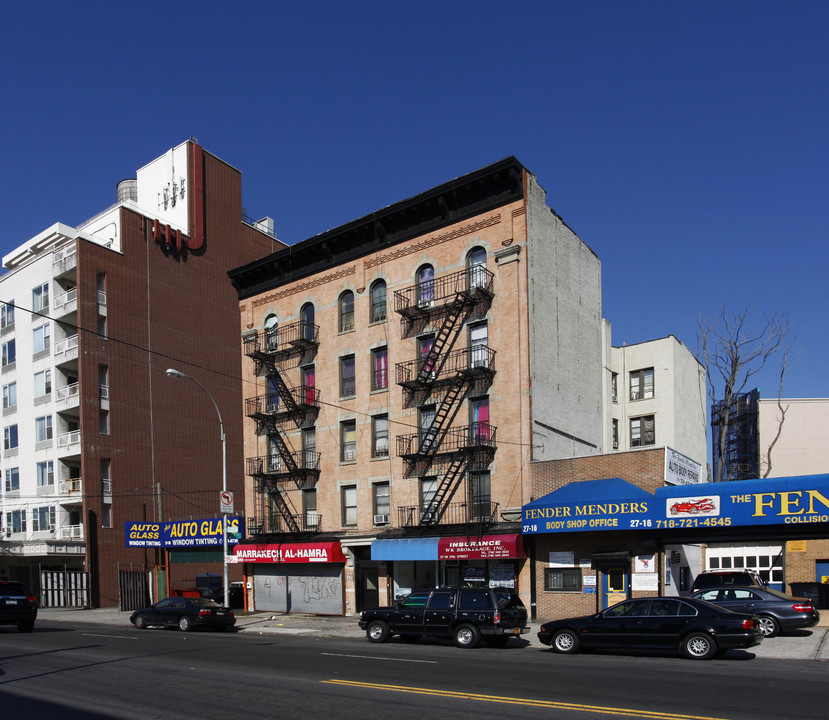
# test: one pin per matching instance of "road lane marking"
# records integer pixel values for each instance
(552, 704)
(377, 657)
(120, 637)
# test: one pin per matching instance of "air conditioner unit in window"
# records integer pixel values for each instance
(381, 519)
(615, 444)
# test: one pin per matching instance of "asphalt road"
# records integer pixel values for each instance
(90, 671)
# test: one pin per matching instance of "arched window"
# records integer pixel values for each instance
(271, 332)
(347, 311)
(307, 316)
(378, 301)
(476, 268)
(425, 285)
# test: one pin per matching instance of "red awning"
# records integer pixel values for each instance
(485, 547)
(324, 552)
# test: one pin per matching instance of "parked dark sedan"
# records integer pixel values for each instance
(699, 630)
(775, 610)
(185, 613)
(18, 606)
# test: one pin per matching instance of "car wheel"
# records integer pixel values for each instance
(566, 641)
(141, 622)
(699, 646)
(467, 636)
(378, 631)
(768, 625)
(26, 626)
(184, 623)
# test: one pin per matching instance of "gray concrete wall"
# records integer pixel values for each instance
(565, 335)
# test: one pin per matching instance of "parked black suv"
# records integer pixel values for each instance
(17, 606)
(464, 614)
(727, 578)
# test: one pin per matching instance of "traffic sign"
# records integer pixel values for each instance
(226, 502)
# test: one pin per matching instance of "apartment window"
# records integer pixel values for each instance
(379, 369)
(272, 394)
(427, 358)
(309, 509)
(614, 387)
(10, 396)
(15, 521)
(40, 298)
(271, 332)
(479, 412)
(103, 382)
(348, 440)
(43, 518)
(642, 431)
(6, 315)
(309, 382)
(9, 353)
(346, 311)
(10, 437)
(476, 267)
(106, 515)
(103, 422)
(378, 301)
(12, 479)
(348, 386)
(306, 315)
(349, 504)
(381, 502)
(380, 436)
(427, 429)
(562, 579)
(425, 285)
(480, 498)
(45, 472)
(43, 428)
(274, 456)
(428, 488)
(106, 480)
(41, 338)
(43, 383)
(309, 447)
(641, 384)
(479, 346)
(615, 434)
(102, 327)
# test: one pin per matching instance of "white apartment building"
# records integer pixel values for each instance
(655, 396)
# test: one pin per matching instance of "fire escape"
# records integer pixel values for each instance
(283, 469)
(445, 377)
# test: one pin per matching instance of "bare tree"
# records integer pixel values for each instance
(781, 414)
(733, 353)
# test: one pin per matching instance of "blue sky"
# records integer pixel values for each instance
(686, 143)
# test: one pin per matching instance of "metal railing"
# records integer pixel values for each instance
(477, 436)
(439, 291)
(282, 338)
(309, 521)
(479, 358)
(460, 513)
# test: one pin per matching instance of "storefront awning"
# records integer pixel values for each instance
(324, 552)
(610, 504)
(405, 549)
(484, 547)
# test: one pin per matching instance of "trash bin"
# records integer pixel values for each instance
(809, 590)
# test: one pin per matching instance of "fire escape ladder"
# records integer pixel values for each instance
(456, 313)
(432, 438)
(286, 455)
(286, 509)
(449, 483)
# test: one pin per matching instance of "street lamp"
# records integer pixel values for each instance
(177, 374)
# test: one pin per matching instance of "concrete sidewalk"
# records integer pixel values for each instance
(810, 644)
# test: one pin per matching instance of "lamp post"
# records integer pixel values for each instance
(177, 374)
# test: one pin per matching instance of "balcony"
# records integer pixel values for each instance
(473, 361)
(64, 260)
(69, 443)
(66, 349)
(478, 512)
(280, 342)
(299, 401)
(301, 467)
(475, 284)
(275, 524)
(67, 396)
(71, 486)
(477, 438)
(71, 532)
(66, 304)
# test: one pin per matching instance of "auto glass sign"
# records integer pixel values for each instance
(206, 532)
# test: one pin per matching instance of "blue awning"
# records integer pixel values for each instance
(610, 504)
(405, 549)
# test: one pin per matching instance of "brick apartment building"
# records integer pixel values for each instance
(95, 434)
(408, 368)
